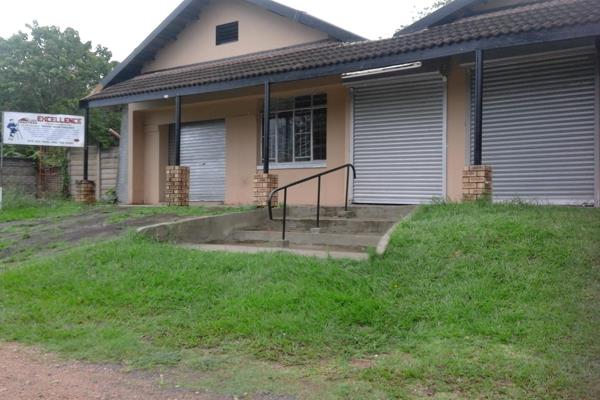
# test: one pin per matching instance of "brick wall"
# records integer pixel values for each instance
(477, 182)
(264, 184)
(177, 191)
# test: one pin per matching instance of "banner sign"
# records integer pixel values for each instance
(43, 129)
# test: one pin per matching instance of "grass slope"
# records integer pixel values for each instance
(23, 208)
(470, 301)
(17, 207)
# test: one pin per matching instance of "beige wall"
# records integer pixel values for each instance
(136, 157)
(333, 191)
(149, 150)
(457, 125)
(259, 30)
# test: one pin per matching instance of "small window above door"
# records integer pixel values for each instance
(228, 33)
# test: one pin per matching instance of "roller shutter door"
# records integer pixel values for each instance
(203, 150)
(399, 134)
(539, 129)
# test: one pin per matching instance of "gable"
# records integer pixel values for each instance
(259, 30)
(188, 12)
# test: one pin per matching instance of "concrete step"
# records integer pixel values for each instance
(355, 241)
(330, 225)
(307, 251)
(361, 212)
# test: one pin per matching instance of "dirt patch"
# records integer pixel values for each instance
(50, 235)
(27, 374)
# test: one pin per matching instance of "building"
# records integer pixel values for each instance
(509, 84)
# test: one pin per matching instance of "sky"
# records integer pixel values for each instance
(121, 25)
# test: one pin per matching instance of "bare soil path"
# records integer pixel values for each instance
(28, 374)
(21, 239)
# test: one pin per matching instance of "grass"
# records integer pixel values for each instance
(470, 301)
(18, 207)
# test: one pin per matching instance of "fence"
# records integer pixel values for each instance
(103, 166)
(20, 175)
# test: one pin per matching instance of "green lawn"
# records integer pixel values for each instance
(17, 207)
(23, 208)
(471, 301)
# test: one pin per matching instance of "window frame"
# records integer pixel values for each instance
(275, 114)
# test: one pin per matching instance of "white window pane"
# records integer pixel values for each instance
(273, 138)
(285, 137)
(302, 133)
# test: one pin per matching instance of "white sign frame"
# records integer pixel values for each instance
(32, 129)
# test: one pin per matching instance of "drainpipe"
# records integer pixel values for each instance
(86, 139)
(178, 131)
(266, 121)
(478, 139)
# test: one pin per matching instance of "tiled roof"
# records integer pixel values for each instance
(536, 17)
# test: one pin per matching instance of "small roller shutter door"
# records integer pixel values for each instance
(399, 141)
(203, 150)
(539, 129)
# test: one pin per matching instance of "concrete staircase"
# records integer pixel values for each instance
(342, 234)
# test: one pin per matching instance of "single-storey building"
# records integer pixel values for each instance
(507, 88)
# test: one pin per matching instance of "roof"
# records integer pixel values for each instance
(188, 11)
(538, 21)
(439, 15)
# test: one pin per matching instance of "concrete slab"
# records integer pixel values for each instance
(343, 235)
(320, 254)
(309, 238)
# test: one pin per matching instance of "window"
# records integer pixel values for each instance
(227, 33)
(298, 129)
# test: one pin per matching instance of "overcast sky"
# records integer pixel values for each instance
(121, 25)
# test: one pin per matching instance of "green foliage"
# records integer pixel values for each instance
(48, 70)
(20, 207)
(470, 301)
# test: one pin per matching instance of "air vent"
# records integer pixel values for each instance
(227, 33)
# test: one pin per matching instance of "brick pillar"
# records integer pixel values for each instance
(177, 192)
(86, 192)
(264, 184)
(477, 182)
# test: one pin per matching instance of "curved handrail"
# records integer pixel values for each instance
(285, 188)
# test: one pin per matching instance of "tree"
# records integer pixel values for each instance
(46, 70)
(435, 6)
(423, 12)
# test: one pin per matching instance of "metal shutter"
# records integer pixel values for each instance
(399, 131)
(539, 129)
(203, 150)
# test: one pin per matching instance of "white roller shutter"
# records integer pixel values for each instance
(539, 129)
(399, 131)
(203, 150)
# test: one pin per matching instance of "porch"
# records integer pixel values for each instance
(221, 142)
(410, 135)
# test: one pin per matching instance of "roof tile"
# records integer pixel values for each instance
(545, 15)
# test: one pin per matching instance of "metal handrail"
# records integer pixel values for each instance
(285, 188)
